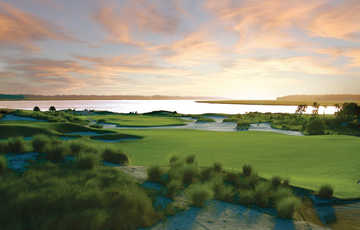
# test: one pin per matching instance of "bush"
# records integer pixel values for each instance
(52, 109)
(4, 147)
(286, 182)
(276, 181)
(315, 127)
(217, 167)
(190, 159)
(87, 162)
(115, 156)
(223, 192)
(247, 170)
(246, 197)
(190, 175)
(16, 145)
(3, 164)
(40, 143)
(36, 109)
(326, 191)
(262, 194)
(76, 147)
(155, 174)
(206, 174)
(173, 160)
(173, 187)
(287, 206)
(199, 194)
(56, 153)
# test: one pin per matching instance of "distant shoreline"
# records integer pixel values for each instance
(276, 102)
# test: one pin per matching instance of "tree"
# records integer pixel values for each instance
(316, 108)
(36, 109)
(349, 111)
(301, 109)
(52, 108)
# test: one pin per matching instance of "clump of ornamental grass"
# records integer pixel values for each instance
(16, 145)
(115, 156)
(198, 194)
(326, 191)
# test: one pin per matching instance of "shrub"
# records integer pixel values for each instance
(315, 127)
(199, 194)
(40, 143)
(246, 197)
(173, 187)
(326, 191)
(87, 162)
(286, 182)
(287, 206)
(223, 192)
(190, 159)
(190, 175)
(206, 174)
(115, 156)
(173, 159)
(155, 174)
(76, 148)
(4, 147)
(217, 167)
(247, 170)
(16, 145)
(3, 164)
(262, 194)
(56, 152)
(52, 109)
(276, 181)
(36, 109)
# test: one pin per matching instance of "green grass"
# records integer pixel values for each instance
(136, 120)
(308, 161)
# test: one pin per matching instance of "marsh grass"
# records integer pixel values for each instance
(326, 191)
(198, 194)
(50, 196)
(3, 164)
(115, 156)
(287, 206)
(16, 145)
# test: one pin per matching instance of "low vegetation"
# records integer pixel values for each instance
(326, 191)
(51, 196)
(115, 156)
(202, 184)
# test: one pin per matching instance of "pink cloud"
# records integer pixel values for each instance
(21, 29)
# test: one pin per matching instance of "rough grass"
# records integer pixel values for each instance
(308, 161)
(52, 197)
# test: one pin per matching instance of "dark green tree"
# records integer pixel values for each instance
(36, 109)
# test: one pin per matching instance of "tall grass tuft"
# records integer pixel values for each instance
(326, 191)
(3, 164)
(155, 174)
(286, 207)
(40, 143)
(16, 145)
(115, 156)
(247, 170)
(199, 194)
(87, 162)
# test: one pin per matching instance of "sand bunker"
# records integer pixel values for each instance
(220, 215)
(266, 127)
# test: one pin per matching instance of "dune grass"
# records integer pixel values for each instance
(136, 120)
(308, 161)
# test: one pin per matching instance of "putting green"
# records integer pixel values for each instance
(308, 161)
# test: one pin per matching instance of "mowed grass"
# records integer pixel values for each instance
(136, 120)
(308, 161)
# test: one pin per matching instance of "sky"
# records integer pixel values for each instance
(241, 49)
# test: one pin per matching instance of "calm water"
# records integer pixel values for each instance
(143, 106)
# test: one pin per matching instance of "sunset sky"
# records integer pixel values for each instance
(246, 49)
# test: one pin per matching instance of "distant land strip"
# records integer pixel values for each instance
(277, 102)
(6, 97)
